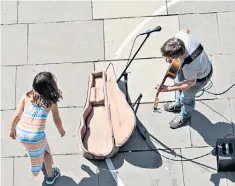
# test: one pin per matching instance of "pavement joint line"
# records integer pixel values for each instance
(118, 18)
(92, 14)
(182, 167)
(170, 101)
(104, 41)
(53, 22)
(217, 22)
(15, 85)
(65, 107)
(121, 152)
(27, 60)
(167, 12)
(82, 62)
(218, 112)
(190, 135)
(13, 171)
(101, 61)
(24, 156)
(179, 22)
(232, 117)
(17, 14)
(93, 66)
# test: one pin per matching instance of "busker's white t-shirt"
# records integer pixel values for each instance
(201, 66)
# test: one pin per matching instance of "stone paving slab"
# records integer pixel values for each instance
(31, 12)
(72, 79)
(211, 120)
(143, 76)
(8, 12)
(118, 9)
(9, 147)
(70, 142)
(208, 6)
(226, 30)
(156, 126)
(66, 42)
(208, 23)
(8, 84)
(205, 171)
(7, 171)
(227, 42)
(224, 76)
(133, 168)
(76, 171)
(22, 170)
(225, 22)
(117, 30)
(14, 44)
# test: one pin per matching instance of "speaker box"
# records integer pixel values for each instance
(225, 154)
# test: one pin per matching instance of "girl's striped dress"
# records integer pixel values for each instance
(30, 132)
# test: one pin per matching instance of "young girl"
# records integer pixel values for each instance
(29, 122)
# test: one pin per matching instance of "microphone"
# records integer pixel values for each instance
(157, 29)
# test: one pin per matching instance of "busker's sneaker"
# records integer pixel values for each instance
(172, 107)
(178, 122)
(54, 177)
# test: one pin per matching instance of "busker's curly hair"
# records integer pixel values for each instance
(45, 91)
(173, 47)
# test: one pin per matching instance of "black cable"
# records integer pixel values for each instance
(221, 92)
(216, 94)
(229, 135)
(131, 49)
(205, 88)
(169, 149)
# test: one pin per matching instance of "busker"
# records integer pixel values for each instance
(192, 76)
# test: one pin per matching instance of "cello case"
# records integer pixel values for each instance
(107, 120)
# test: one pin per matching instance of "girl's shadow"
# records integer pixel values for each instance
(63, 180)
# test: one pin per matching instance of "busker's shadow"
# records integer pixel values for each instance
(210, 132)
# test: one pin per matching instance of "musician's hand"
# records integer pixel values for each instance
(163, 88)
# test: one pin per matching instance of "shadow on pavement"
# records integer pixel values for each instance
(215, 178)
(140, 158)
(91, 180)
(210, 132)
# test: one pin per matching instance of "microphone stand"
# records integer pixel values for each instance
(126, 75)
(124, 71)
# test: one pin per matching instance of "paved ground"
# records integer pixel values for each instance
(71, 39)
